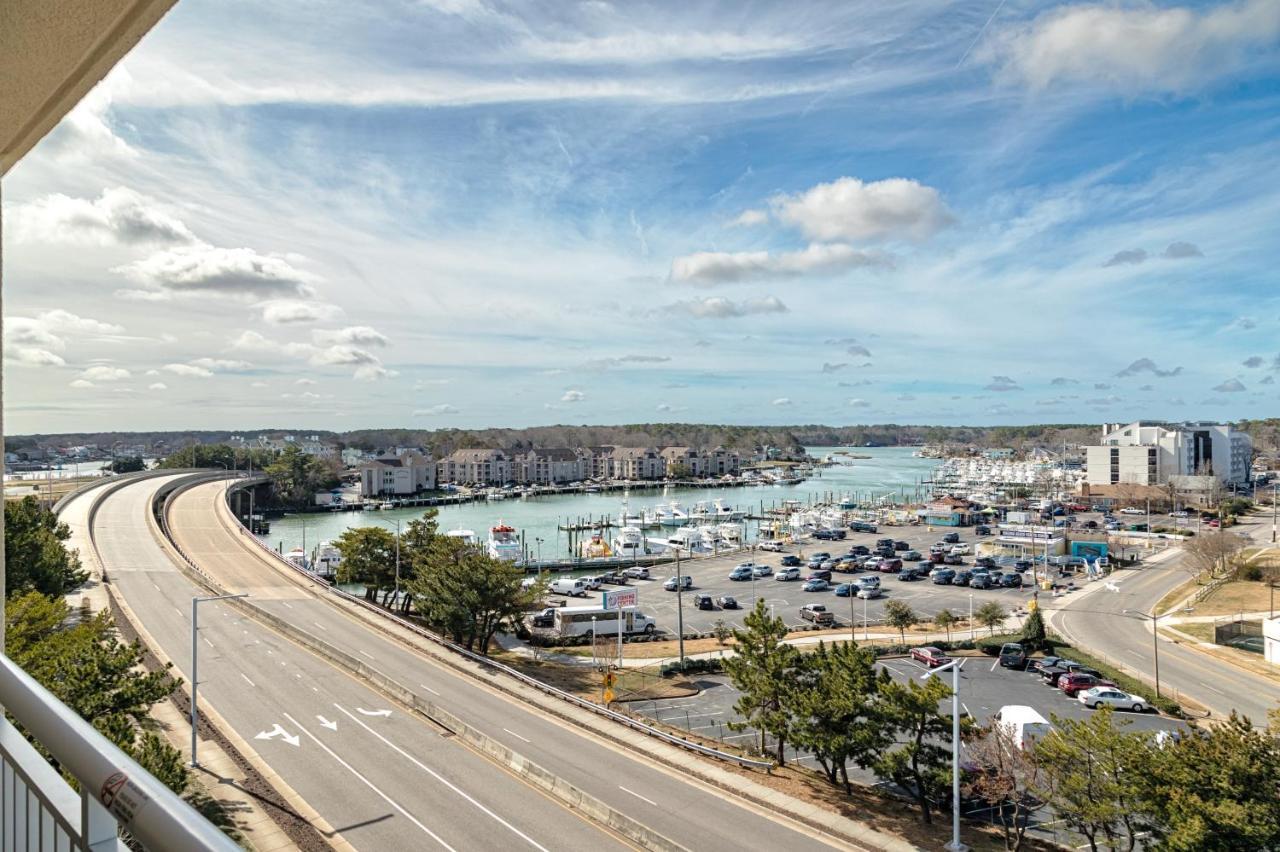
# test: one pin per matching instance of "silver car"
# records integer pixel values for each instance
(868, 592)
(1100, 695)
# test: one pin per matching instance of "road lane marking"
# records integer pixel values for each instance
(428, 689)
(370, 785)
(370, 656)
(154, 586)
(517, 736)
(442, 780)
(206, 641)
(286, 603)
(1214, 688)
(180, 615)
(634, 793)
(318, 624)
(1131, 651)
(246, 679)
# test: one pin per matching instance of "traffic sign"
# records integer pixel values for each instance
(620, 598)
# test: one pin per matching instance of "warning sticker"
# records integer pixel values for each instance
(122, 797)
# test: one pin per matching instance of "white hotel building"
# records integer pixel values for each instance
(1149, 453)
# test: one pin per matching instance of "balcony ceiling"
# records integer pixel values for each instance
(52, 52)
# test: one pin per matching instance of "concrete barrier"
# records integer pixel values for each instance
(531, 772)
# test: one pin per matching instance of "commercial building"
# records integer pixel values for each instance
(1149, 453)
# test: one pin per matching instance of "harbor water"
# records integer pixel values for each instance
(866, 473)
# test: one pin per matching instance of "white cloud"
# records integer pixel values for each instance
(1146, 365)
(573, 396)
(749, 219)
(436, 410)
(1230, 386)
(239, 273)
(718, 307)
(1140, 48)
(360, 335)
(305, 382)
(635, 46)
(157, 386)
(38, 341)
(221, 364)
(859, 403)
(104, 373)
(849, 209)
(65, 322)
(610, 363)
(81, 384)
(368, 367)
(710, 268)
(189, 370)
(119, 216)
(296, 311)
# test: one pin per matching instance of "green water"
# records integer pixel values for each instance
(889, 470)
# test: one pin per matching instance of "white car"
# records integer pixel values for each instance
(1131, 510)
(868, 592)
(787, 574)
(1100, 695)
(592, 583)
(1179, 514)
(772, 546)
(961, 549)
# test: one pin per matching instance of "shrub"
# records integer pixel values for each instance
(1251, 572)
(692, 666)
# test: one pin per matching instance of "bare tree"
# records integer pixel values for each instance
(1211, 553)
(1004, 776)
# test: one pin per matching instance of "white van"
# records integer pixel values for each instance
(571, 586)
(1023, 724)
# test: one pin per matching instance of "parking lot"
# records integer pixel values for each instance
(711, 576)
(984, 689)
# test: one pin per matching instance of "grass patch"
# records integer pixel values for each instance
(585, 682)
(1236, 596)
(1176, 595)
(1200, 630)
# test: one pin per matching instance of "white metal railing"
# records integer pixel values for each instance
(40, 810)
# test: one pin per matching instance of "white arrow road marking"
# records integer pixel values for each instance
(325, 723)
(373, 712)
(277, 731)
(1112, 587)
(370, 784)
(441, 779)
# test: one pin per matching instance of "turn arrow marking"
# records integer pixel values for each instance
(277, 731)
(325, 723)
(373, 712)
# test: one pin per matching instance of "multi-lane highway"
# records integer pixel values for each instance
(390, 781)
(1097, 621)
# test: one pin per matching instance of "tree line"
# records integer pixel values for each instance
(1209, 788)
(295, 475)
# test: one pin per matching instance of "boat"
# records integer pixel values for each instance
(467, 536)
(326, 559)
(725, 512)
(671, 515)
(630, 542)
(298, 558)
(504, 544)
(495, 494)
(595, 548)
(686, 540)
(629, 518)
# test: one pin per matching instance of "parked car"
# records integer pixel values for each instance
(951, 538)
(936, 557)
(569, 586)
(1180, 514)
(762, 571)
(684, 582)
(821, 554)
(962, 578)
(930, 656)
(770, 546)
(859, 550)
(1023, 565)
(980, 580)
(996, 578)
(702, 602)
(886, 551)
(790, 561)
(817, 613)
(728, 602)
(791, 572)
(815, 584)
(901, 545)
(544, 617)
(984, 562)
(1050, 674)
(845, 590)
(873, 563)
(862, 526)
(938, 547)
(869, 592)
(1011, 581)
(592, 583)
(815, 561)
(1096, 696)
(742, 572)
(884, 542)
(1091, 525)
(1131, 510)
(961, 548)
(908, 574)
(829, 564)
(1074, 684)
(912, 556)
(819, 574)
(1043, 662)
(868, 581)
(637, 573)
(890, 566)
(943, 577)
(982, 529)
(829, 535)
(953, 559)
(1013, 656)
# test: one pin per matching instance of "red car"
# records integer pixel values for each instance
(1072, 684)
(891, 566)
(930, 656)
(1214, 523)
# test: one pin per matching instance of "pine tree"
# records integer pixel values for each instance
(1033, 632)
(920, 760)
(900, 615)
(761, 671)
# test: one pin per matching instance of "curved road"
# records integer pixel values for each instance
(1096, 622)
(684, 811)
(382, 780)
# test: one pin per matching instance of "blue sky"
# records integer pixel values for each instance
(468, 213)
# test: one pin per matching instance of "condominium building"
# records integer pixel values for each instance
(1149, 453)
(554, 466)
(476, 466)
(402, 474)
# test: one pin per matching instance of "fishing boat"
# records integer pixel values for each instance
(504, 543)
(629, 518)
(298, 558)
(594, 548)
(724, 512)
(326, 559)
(630, 542)
(467, 536)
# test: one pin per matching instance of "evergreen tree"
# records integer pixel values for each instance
(1034, 637)
(761, 671)
(945, 620)
(35, 556)
(368, 558)
(990, 615)
(920, 759)
(901, 616)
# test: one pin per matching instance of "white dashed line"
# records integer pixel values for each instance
(318, 624)
(179, 612)
(372, 657)
(517, 736)
(428, 689)
(634, 793)
(207, 642)
(246, 679)
(1214, 688)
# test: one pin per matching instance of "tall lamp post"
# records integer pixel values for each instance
(955, 845)
(195, 664)
(680, 607)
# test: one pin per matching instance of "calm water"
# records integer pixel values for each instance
(889, 470)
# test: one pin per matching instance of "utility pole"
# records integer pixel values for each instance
(680, 607)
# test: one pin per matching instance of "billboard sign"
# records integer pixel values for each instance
(621, 598)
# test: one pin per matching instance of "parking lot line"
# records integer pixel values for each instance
(993, 665)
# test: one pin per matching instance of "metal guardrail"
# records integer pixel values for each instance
(621, 718)
(40, 811)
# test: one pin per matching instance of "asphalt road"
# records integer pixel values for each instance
(677, 808)
(383, 778)
(1096, 621)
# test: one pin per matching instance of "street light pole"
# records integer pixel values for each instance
(954, 845)
(680, 607)
(195, 664)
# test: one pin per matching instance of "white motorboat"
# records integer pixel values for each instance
(504, 543)
(687, 540)
(298, 557)
(467, 536)
(725, 512)
(326, 559)
(629, 542)
(629, 518)
(495, 494)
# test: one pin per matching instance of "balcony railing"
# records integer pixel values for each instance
(39, 810)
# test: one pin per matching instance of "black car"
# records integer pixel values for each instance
(982, 529)
(962, 578)
(886, 550)
(901, 545)
(859, 550)
(943, 577)
(545, 617)
(1023, 565)
(981, 580)
(908, 574)
(1011, 581)
(819, 574)
(862, 526)
(1050, 674)
(791, 561)
(1013, 656)
(985, 562)
(951, 538)
(1091, 525)
(1043, 662)
(702, 602)
(829, 535)
(884, 542)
